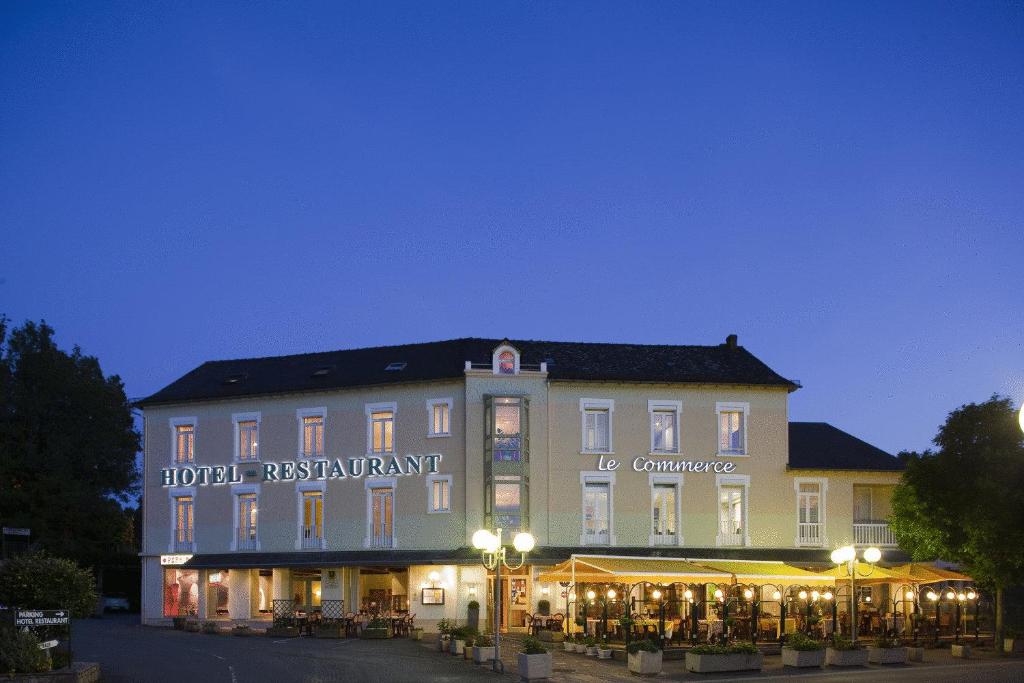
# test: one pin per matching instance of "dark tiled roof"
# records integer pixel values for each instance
(720, 364)
(820, 446)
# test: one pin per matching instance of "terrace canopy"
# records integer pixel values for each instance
(927, 572)
(867, 574)
(597, 568)
(766, 571)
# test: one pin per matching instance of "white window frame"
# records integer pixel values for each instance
(496, 364)
(173, 494)
(606, 404)
(822, 483)
(732, 480)
(241, 490)
(370, 409)
(310, 412)
(236, 420)
(431, 403)
(665, 406)
(431, 478)
(381, 483)
(732, 407)
(307, 487)
(176, 422)
(676, 480)
(594, 477)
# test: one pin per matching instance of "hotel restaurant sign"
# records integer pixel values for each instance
(301, 470)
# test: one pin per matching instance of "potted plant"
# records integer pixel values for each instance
(377, 628)
(544, 607)
(458, 640)
(241, 630)
(210, 628)
(467, 651)
(179, 623)
(704, 659)
(845, 652)
(483, 649)
(192, 625)
(590, 646)
(473, 614)
(604, 651)
(1013, 643)
(626, 622)
(444, 627)
(580, 645)
(416, 633)
(569, 644)
(803, 651)
(534, 660)
(887, 650)
(644, 657)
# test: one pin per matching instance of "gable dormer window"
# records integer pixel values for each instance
(506, 360)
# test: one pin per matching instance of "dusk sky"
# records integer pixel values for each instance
(840, 184)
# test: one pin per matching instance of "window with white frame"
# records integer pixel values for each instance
(732, 510)
(597, 424)
(247, 433)
(597, 508)
(439, 415)
(380, 509)
(183, 521)
(664, 426)
(183, 433)
(311, 431)
(380, 427)
(439, 493)
(311, 532)
(665, 494)
(810, 510)
(732, 428)
(863, 508)
(247, 537)
(505, 360)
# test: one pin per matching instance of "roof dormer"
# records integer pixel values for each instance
(505, 359)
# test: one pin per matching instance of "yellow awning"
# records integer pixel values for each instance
(926, 572)
(766, 571)
(599, 568)
(867, 574)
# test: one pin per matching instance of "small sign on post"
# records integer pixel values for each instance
(42, 617)
(46, 645)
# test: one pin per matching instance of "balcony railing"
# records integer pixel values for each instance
(873, 533)
(810, 533)
(382, 540)
(311, 538)
(599, 538)
(246, 538)
(730, 538)
(183, 543)
(663, 538)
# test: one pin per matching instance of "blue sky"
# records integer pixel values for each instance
(841, 184)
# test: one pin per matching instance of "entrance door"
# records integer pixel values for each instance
(515, 599)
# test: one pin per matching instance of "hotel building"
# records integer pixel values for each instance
(361, 475)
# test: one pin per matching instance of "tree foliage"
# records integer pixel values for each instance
(68, 446)
(964, 501)
(40, 581)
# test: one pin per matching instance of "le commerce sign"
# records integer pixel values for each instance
(42, 617)
(302, 470)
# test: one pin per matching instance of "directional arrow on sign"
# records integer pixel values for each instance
(60, 614)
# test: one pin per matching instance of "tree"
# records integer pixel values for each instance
(40, 581)
(964, 502)
(68, 446)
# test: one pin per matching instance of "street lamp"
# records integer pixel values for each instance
(493, 556)
(847, 555)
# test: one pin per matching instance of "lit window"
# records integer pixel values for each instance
(507, 436)
(507, 362)
(313, 436)
(863, 509)
(440, 493)
(808, 502)
(382, 506)
(596, 512)
(247, 521)
(508, 502)
(382, 426)
(183, 518)
(730, 515)
(312, 519)
(595, 430)
(439, 412)
(663, 512)
(184, 443)
(248, 440)
(181, 592)
(663, 431)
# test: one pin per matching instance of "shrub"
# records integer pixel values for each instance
(20, 653)
(483, 641)
(41, 581)
(579, 637)
(590, 641)
(210, 627)
(378, 622)
(444, 626)
(804, 643)
(470, 639)
(473, 604)
(734, 649)
(544, 607)
(645, 645)
(532, 646)
(840, 643)
(626, 622)
(888, 642)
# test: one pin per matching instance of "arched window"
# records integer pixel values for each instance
(507, 363)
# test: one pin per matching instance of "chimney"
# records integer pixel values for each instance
(730, 342)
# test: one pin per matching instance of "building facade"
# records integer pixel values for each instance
(361, 475)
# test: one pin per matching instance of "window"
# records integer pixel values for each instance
(183, 520)
(312, 519)
(247, 430)
(506, 462)
(507, 435)
(810, 511)
(439, 412)
(597, 424)
(664, 510)
(181, 592)
(505, 360)
(862, 505)
(311, 432)
(664, 426)
(439, 493)
(732, 428)
(381, 513)
(508, 502)
(380, 427)
(247, 536)
(596, 513)
(732, 510)
(184, 443)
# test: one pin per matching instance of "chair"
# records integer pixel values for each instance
(557, 621)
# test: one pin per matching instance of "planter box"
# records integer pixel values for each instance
(458, 646)
(835, 657)
(242, 631)
(1013, 646)
(887, 655)
(802, 658)
(915, 654)
(442, 643)
(963, 651)
(467, 653)
(330, 632)
(644, 663)
(283, 632)
(192, 626)
(416, 633)
(604, 654)
(579, 647)
(375, 633)
(534, 667)
(706, 664)
(550, 636)
(482, 655)
(591, 650)
(569, 646)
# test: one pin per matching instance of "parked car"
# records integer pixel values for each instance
(116, 602)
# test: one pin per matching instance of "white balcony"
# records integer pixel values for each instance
(664, 538)
(599, 538)
(873, 533)
(810, 533)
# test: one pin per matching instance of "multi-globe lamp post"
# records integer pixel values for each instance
(847, 557)
(494, 555)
